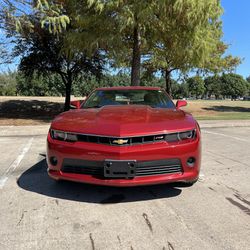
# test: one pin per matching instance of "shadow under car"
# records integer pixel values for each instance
(36, 180)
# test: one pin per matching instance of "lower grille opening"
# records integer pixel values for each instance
(144, 168)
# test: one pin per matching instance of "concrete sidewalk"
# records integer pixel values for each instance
(224, 123)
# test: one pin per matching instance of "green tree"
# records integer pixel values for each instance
(39, 85)
(248, 80)
(150, 79)
(213, 86)
(233, 85)
(4, 55)
(179, 90)
(43, 53)
(196, 86)
(16, 13)
(31, 86)
(46, 55)
(188, 36)
(8, 83)
(162, 35)
(119, 27)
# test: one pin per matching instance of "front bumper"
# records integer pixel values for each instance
(98, 153)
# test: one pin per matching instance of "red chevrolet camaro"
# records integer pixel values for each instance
(125, 136)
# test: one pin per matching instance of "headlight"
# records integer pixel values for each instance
(63, 136)
(180, 136)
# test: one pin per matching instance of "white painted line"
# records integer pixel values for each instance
(15, 164)
(229, 136)
(3, 181)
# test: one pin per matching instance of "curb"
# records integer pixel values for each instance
(224, 123)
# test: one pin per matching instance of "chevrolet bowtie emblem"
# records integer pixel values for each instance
(120, 141)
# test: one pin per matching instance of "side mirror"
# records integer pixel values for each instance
(75, 104)
(181, 103)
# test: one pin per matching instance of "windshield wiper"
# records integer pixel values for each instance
(92, 107)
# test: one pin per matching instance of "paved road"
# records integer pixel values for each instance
(37, 213)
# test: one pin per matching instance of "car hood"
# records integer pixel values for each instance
(122, 121)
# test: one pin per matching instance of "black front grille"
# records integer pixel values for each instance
(82, 167)
(169, 166)
(144, 168)
(121, 141)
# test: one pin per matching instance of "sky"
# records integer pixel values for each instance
(236, 29)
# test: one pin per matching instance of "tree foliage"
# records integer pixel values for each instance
(213, 86)
(233, 85)
(8, 83)
(163, 35)
(16, 83)
(70, 38)
(39, 85)
(189, 37)
(196, 86)
(42, 52)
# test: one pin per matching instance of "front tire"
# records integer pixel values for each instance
(190, 183)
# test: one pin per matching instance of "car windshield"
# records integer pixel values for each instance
(153, 98)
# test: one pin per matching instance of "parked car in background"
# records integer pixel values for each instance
(246, 98)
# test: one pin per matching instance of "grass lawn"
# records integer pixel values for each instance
(41, 110)
(219, 110)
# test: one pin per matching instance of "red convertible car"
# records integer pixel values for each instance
(125, 136)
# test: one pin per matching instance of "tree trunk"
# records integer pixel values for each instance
(136, 60)
(68, 86)
(168, 82)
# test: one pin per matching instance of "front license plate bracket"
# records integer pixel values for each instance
(119, 168)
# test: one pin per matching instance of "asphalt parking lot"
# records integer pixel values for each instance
(38, 213)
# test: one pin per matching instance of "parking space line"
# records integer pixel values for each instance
(15, 164)
(229, 136)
